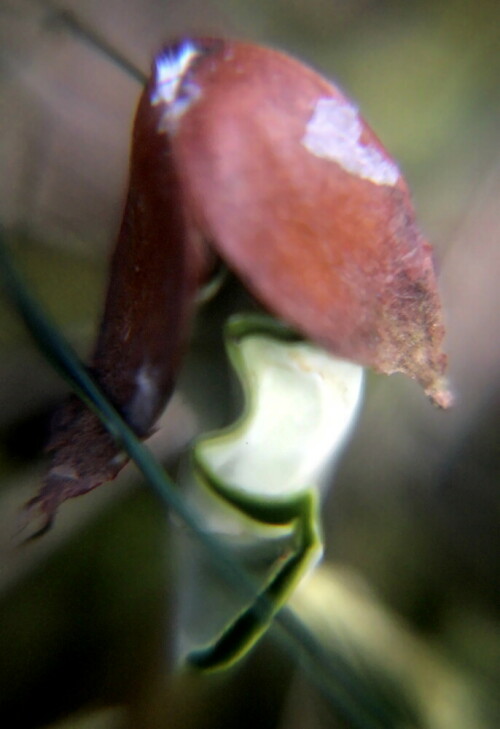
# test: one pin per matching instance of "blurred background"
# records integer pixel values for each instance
(409, 589)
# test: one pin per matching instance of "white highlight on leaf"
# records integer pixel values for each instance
(334, 133)
(171, 68)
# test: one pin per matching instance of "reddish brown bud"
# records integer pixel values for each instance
(157, 264)
(301, 199)
(249, 149)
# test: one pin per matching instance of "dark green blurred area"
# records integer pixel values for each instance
(86, 613)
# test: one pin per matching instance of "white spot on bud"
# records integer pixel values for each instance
(141, 409)
(334, 133)
(171, 68)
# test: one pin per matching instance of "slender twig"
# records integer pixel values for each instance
(91, 37)
(357, 703)
(330, 673)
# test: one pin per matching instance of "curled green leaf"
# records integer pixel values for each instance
(299, 406)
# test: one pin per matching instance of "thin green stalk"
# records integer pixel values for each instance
(91, 37)
(350, 698)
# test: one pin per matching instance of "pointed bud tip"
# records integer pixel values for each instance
(440, 393)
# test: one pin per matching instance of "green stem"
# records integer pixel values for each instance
(330, 673)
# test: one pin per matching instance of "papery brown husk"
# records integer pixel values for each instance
(157, 264)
